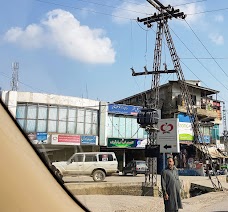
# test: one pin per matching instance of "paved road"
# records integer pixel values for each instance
(210, 202)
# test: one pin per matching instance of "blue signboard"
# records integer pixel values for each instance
(40, 136)
(91, 140)
(184, 118)
(206, 139)
(124, 109)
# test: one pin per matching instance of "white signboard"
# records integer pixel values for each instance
(168, 135)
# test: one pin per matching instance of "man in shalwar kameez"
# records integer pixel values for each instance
(171, 187)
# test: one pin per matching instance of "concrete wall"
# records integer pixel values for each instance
(103, 117)
(10, 100)
(56, 100)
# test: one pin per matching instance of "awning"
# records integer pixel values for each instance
(213, 151)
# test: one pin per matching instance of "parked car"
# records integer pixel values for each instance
(95, 164)
(135, 167)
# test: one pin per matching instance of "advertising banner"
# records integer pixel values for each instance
(66, 139)
(185, 131)
(124, 109)
(88, 140)
(122, 143)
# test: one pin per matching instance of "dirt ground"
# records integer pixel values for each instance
(214, 201)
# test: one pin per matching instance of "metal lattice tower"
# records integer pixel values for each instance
(225, 132)
(161, 18)
(15, 78)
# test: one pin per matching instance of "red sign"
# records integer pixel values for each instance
(69, 138)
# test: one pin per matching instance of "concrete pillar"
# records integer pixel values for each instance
(124, 158)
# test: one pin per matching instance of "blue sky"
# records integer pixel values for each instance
(82, 48)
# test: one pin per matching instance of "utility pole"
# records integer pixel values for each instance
(150, 122)
(225, 132)
(14, 82)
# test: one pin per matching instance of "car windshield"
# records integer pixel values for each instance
(140, 81)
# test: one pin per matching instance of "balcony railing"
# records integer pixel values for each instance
(202, 112)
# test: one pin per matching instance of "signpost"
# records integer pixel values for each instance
(168, 136)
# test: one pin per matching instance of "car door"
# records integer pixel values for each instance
(90, 163)
(75, 164)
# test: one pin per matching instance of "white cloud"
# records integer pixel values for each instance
(131, 10)
(219, 18)
(134, 9)
(63, 32)
(216, 38)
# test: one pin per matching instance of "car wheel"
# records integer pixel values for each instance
(134, 173)
(98, 175)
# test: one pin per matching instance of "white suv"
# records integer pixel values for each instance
(96, 164)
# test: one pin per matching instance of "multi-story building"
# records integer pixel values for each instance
(61, 125)
(172, 105)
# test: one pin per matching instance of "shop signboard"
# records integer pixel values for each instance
(122, 143)
(124, 109)
(185, 128)
(32, 136)
(167, 136)
(141, 143)
(185, 131)
(41, 136)
(65, 139)
(88, 140)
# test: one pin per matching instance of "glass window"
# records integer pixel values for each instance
(128, 127)
(88, 129)
(42, 126)
(122, 127)
(95, 117)
(81, 114)
(80, 128)
(116, 133)
(90, 158)
(21, 111)
(71, 127)
(52, 126)
(32, 112)
(105, 157)
(31, 126)
(52, 113)
(72, 115)
(94, 129)
(88, 118)
(140, 132)
(62, 127)
(78, 158)
(21, 122)
(42, 112)
(110, 126)
(62, 114)
(134, 128)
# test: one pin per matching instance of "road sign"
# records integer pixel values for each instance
(168, 136)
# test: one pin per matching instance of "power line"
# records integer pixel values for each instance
(111, 6)
(83, 9)
(206, 48)
(204, 58)
(208, 11)
(199, 61)
(187, 66)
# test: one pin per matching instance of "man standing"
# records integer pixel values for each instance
(171, 187)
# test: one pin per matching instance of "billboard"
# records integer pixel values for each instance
(65, 139)
(121, 143)
(88, 140)
(185, 131)
(124, 109)
(168, 135)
